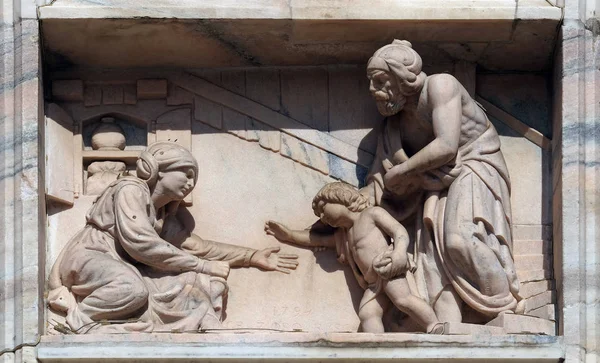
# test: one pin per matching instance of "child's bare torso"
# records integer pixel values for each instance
(367, 241)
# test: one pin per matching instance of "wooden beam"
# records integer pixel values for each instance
(517, 125)
(285, 124)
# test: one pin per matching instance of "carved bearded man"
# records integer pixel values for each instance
(439, 160)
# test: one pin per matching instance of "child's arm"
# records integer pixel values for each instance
(391, 263)
(307, 237)
(391, 227)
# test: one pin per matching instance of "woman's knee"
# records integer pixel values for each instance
(135, 290)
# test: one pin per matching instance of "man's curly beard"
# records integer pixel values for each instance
(391, 106)
(389, 103)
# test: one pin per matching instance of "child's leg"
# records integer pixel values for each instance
(399, 293)
(371, 311)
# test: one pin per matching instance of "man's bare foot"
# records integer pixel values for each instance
(437, 329)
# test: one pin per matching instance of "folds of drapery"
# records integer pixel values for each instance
(116, 269)
(480, 175)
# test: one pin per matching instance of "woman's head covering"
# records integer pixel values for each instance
(401, 61)
(164, 156)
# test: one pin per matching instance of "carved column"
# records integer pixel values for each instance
(577, 181)
(22, 210)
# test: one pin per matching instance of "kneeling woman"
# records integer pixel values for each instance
(137, 260)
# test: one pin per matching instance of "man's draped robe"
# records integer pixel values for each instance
(478, 186)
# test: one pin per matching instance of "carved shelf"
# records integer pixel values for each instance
(122, 155)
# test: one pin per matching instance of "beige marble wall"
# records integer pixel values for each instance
(268, 139)
(576, 186)
(22, 213)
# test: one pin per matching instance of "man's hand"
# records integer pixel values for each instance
(390, 264)
(387, 165)
(216, 268)
(279, 231)
(397, 181)
(394, 176)
(268, 259)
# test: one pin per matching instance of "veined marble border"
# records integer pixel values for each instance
(341, 347)
(579, 311)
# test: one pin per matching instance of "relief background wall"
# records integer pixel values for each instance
(251, 172)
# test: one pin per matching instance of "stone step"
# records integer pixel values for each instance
(532, 247)
(533, 275)
(523, 324)
(533, 262)
(537, 301)
(531, 232)
(544, 312)
(453, 328)
(533, 288)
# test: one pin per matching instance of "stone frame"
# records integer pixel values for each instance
(575, 201)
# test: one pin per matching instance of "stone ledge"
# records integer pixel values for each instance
(114, 38)
(303, 10)
(344, 347)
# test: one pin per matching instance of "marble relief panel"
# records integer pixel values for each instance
(260, 144)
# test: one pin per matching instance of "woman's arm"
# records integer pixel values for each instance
(136, 234)
(236, 256)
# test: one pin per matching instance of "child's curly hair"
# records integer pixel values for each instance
(340, 193)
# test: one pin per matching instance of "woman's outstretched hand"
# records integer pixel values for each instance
(270, 260)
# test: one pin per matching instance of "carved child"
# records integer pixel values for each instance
(364, 244)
